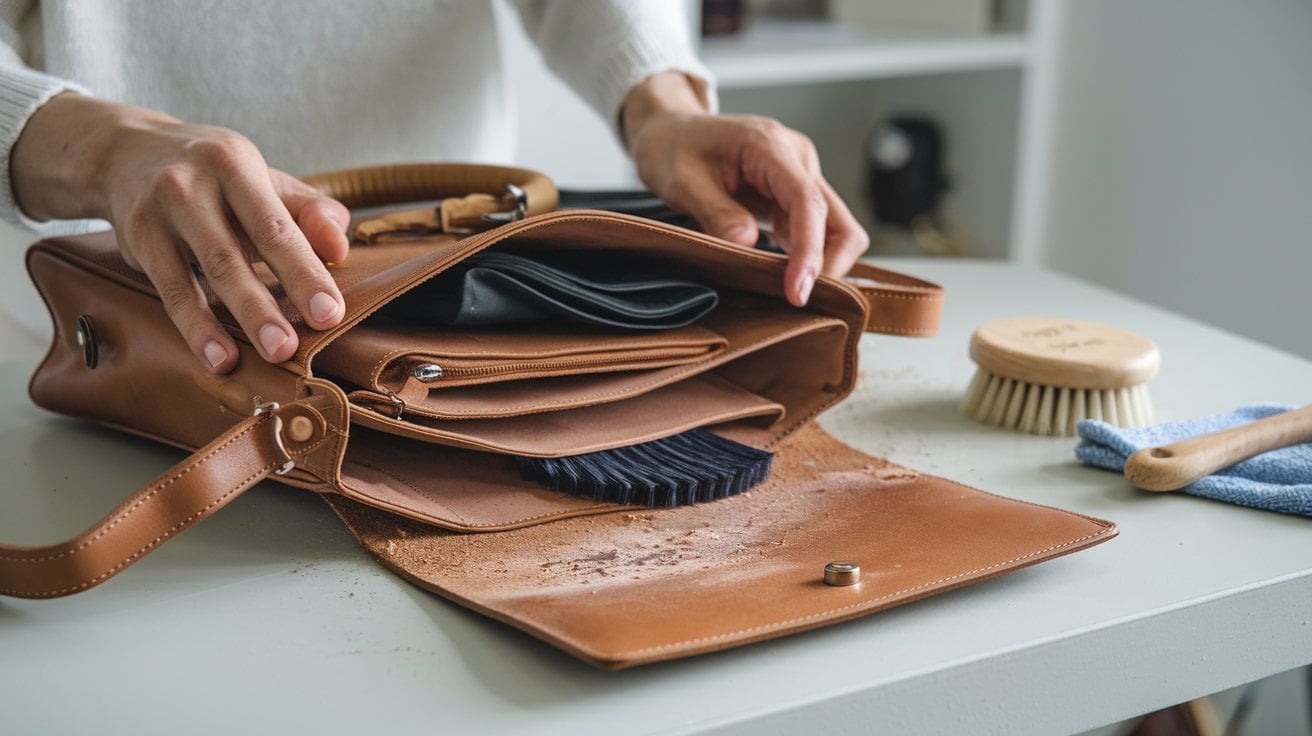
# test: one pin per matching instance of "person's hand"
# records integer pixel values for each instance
(726, 171)
(181, 196)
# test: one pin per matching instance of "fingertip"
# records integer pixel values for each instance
(804, 290)
(277, 343)
(799, 280)
(798, 290)
(325, 310)
(218, 357)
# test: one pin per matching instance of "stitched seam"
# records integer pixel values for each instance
(902, 330)
(132, 509)
(899, 295)
(376, 373)
(862, 604)
(896, 278)
(152, 544)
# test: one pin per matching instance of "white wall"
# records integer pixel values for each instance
(1180, 162)
(558, 133)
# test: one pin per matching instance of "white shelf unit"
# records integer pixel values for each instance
(772, 52)
(835, 83)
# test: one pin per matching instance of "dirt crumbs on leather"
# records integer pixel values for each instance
(626, 545)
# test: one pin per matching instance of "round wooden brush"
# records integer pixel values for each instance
(1043, 375)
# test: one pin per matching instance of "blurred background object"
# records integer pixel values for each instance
(906, 181)
(947, 16)
(722, 17)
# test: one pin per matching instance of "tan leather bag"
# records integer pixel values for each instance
(419, 472)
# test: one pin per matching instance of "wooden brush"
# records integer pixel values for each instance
(1178, 464)
(1043, 375)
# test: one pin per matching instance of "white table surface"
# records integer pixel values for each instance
(267, 617)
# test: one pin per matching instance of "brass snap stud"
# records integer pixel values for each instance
(300, 428)
(842, 573)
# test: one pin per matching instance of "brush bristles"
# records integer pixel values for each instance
(686, 468)
(1039, 409)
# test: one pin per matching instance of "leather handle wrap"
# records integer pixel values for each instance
(183, 495)
(899, 304)
(374, 186)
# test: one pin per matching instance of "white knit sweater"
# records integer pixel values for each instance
(320, 85)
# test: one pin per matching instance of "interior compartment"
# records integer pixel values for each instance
(746, 324)
(768, 369)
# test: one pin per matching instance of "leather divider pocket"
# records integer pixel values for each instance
(697, 401)
(454, 358)
(742, 336)
(477, 491)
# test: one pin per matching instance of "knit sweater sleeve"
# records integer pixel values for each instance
(23, 90)
(603, 48)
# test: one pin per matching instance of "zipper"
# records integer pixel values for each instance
(431, 372)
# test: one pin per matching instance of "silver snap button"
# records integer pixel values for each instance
(86, 339)
(842, 573)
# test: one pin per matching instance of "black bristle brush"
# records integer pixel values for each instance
(686, 468)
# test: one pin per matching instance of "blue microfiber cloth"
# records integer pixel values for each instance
(1280, 480)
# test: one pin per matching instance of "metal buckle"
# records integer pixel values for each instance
(397, 403)
(270, 407)
(515, 196)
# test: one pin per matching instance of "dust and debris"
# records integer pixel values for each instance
(596, 551)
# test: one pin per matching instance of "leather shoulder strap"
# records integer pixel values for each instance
(899, 304)
(183, 495)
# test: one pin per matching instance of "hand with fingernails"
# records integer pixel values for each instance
(728, 170)
(182, 195)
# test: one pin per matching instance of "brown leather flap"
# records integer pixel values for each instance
(638, 586)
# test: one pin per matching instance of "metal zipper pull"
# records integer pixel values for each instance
(428, 372)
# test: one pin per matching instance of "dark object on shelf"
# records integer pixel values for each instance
(722, 17)
(905, 176)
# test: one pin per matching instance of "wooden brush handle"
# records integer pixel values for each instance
(1178, 464)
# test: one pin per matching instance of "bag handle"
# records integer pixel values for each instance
(271, 441)
(472, 196)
